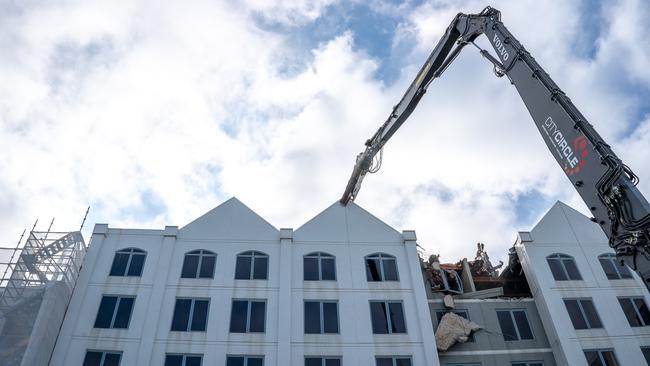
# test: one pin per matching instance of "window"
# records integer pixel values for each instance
(251, 266)
(387, 317)
(321, 317)
(462, 364)
(319, 267)
(323, 361)
(600, 357)
(102, 358)
(646, 354)
(247, 316)
(128, 262)
(528, 363)
(582, 313)
(613, 269)
(563, 267)
(114, 312)
(514, 325)
(393, 361)
(183, 360)
(190, 315)
(381, 267)
(462, 313)
(199, 264)
(244, 361)
(636, 311)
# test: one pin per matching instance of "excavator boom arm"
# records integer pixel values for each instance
(607, 186)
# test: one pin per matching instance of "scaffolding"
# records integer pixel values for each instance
(37, 282)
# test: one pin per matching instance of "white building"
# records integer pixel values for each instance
(590, 308)
(132, 304)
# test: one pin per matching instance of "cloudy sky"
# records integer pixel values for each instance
(154, 112)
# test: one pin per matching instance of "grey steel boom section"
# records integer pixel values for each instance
(606, 185)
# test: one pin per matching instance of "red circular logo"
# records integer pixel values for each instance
(580, 152)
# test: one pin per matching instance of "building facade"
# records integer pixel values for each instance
(343, 289)
(230, 289)
(594, 311)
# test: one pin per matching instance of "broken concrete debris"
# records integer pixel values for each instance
(453, 329)
(448, 300)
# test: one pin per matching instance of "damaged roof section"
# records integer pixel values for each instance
(478, 279)
(454, 284)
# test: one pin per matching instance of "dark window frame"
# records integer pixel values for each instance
(249, 309)
(394, 359)
(560, 258)
(381, 257)
(601, 357)
(116, 308)
(103, 353)
(319, 256)
(639, 316)
(201, 253)
(131, 252)
(190, 318)
(527, 363)
(246, 358)
(621, 271)
(253, 255)
(515, 325)
(185, 356)
(321, 310)
(324, 359)
(388, 316)
(580, 301)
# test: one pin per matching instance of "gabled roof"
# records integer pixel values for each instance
(230, 220)
(563, 224)
(349, 223)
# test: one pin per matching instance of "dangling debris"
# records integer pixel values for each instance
(482, 265)
(442, 277)
(453, 329)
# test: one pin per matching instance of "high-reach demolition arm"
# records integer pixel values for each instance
(606, 185)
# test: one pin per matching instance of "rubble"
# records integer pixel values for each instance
(442, 277)
(478, 278)
(453, 329)
(481, 266)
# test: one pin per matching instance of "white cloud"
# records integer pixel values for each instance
(155, 114)
(289, 12)
(623, 45)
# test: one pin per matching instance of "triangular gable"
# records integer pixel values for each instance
(563, 224)
(230, 220)
(349, 223)
(585, 230)
(554, 227)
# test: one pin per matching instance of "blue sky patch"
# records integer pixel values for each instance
(591, 26)
(373, 33)
(528, 206)
(149, 206)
